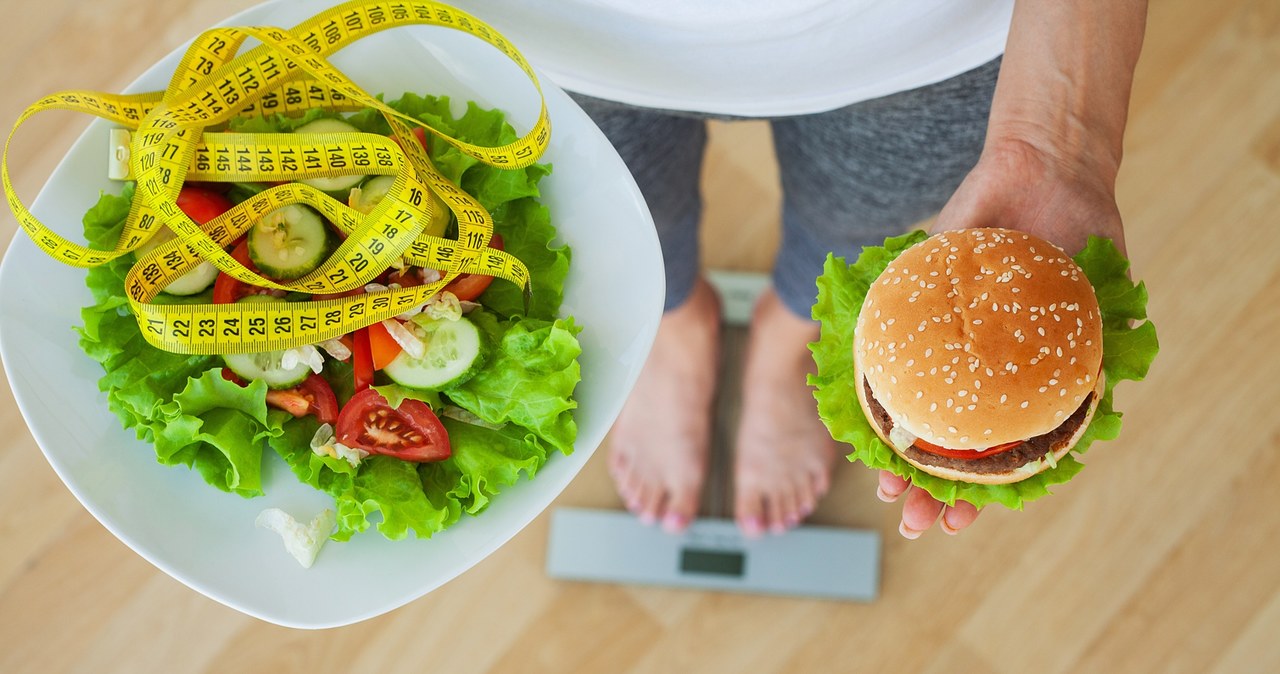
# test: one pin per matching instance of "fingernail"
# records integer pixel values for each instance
(674, 524)
(885, 496)
(908, 532)
(946, 526)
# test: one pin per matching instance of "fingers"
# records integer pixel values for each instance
(920, 510)
(891, 486)
(957, 517)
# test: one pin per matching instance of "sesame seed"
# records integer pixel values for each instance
(951, 429)
(1053, 382)
(1041, 331)
(919, 395)
(962, 393)
(1024, 404)
(959, 409)
(1062, 393)
(973, 407)
(893, 379)
(1044, 388)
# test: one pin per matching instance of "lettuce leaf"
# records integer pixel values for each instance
(529, 379)
(193, 417)
(1127, 354)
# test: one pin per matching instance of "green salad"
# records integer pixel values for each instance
(485, 396)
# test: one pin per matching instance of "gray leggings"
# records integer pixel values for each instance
(850, 177)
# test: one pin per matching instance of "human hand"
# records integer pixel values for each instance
(1022, 185)
(1017, 186)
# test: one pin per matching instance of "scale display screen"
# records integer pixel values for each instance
(717, 562)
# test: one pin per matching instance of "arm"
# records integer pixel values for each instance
(1053, 148)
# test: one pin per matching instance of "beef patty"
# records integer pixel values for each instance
(1004, 462)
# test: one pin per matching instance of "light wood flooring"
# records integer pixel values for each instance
(1163, 556)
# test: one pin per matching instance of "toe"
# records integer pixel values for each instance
(682, 505)
(806, 498)
(776, 506)
(650, 503)
(749, 511)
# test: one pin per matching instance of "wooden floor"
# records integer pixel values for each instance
(1163, 556)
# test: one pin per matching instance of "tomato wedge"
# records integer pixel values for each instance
(202, 205)
(411, 432)
(361, 359)
(382, 346)
(467, 287)
(312, 396)
(229, 289)
(964, 453)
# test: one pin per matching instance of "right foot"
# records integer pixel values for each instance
(658, 446)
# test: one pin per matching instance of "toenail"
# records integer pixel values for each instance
(647, 519)
(908, 532)
(752, 527)
(674, 524)
(778, 528)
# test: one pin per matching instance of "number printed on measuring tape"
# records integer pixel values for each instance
(287, 73)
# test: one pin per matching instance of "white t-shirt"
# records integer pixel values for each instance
(749, 57)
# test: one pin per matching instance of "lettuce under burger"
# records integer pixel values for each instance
(977, 363)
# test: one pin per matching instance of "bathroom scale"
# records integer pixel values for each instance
(612, 546)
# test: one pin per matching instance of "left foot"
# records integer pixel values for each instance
(784, 453)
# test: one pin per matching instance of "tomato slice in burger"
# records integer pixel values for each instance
(964, 453)
(411, 432)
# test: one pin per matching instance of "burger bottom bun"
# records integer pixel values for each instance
(1018, 474)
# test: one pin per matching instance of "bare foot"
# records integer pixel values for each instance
(784, 453)
(658, 446)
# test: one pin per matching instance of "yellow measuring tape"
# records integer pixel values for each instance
(287, 73)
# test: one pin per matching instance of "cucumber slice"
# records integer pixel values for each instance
(289, 242)
(265, 366)
(366, 198)
(337, 186)
(194, 281)
(452, 356)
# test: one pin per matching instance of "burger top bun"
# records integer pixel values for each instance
(979, 337)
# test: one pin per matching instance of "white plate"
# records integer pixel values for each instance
(206, 538)
(770, 60)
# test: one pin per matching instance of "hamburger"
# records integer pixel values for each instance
(978, 355)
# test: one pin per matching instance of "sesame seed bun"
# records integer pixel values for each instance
(980, 337)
